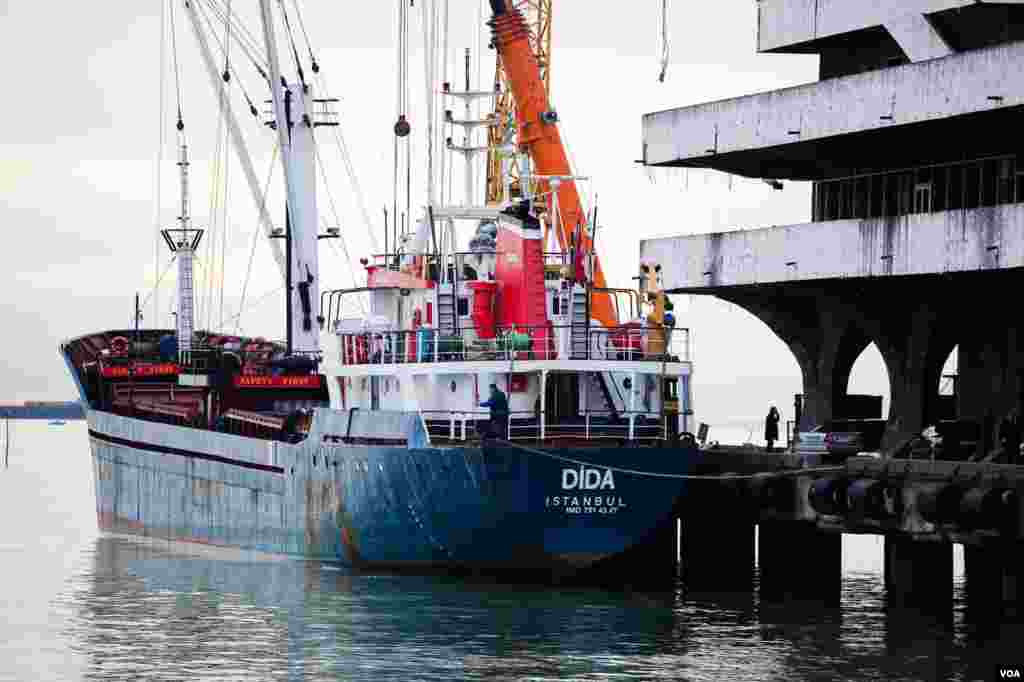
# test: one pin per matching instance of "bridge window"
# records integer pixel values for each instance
(946, 187)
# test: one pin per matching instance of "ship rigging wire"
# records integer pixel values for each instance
(337, 218)
(664, 42)
(157, 171)
(177, 75)
(224, 47)
(255, 237)
(243, 37)
(156, 287)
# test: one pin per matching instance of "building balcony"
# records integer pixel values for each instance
(966, 240)
(966, 105)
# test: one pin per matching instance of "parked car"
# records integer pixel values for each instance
(842, 438)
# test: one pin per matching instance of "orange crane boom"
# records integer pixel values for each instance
(538, 136)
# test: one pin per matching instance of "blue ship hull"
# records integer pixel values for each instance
(408, 507)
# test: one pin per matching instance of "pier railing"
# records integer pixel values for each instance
(431, 345)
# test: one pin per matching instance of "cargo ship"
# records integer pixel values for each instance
(374, 449)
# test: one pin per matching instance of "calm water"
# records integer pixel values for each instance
(75, 605)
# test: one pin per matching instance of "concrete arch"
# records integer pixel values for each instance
(828, 330)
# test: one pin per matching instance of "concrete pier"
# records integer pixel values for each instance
(717, 550)
(909, 242)
(918, 573)
(994, 576)
(798, 561)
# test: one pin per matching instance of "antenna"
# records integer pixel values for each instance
(183, 242)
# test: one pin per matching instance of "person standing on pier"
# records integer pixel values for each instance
(771, 428)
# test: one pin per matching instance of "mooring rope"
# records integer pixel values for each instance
(659, 474)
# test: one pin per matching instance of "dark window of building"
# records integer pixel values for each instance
(846, 199)
(876, 184)
(892, 195)
(462, 306)
(832, 201)
(1019, 175)
(940, 187)
(989, 182)
(1005, 181)
(860, 198)
(956, 187)
(972, 185)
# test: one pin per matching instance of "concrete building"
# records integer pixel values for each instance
(912, 138)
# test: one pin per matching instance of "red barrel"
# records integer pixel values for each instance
(483, 308)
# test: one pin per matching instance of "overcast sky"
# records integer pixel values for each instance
(80, 136)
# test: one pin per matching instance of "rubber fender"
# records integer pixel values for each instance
(874, 499)
(828, 496)
(940, 504)
(989, 508)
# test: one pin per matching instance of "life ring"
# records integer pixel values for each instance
(687, 439)
(119, 345)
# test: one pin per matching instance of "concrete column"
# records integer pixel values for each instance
(994, 578)
(796, 560)
(918, 573)
(717, 549)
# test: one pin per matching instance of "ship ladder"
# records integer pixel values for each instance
(447, 320)
(580, 325)
(601, 381)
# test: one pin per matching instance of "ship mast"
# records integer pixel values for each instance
(183, 242)
(293, 119)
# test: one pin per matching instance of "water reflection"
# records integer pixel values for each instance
(144, 611)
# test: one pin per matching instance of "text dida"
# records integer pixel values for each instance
(587, 479)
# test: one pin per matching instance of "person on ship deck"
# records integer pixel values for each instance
(498, 404)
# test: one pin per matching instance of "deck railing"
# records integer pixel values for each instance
(470, 426)
(428, 345)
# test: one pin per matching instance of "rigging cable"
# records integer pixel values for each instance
(243, 38)
(177, 76)
(156, 286)
(291, 41)
(664, 41)
(224, 50)
(255, 303)
(227, 166)
(159, 154)
(337, 218)
(255, 237)
(309, 46)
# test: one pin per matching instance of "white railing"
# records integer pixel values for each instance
(461, 426)
(624, 344)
